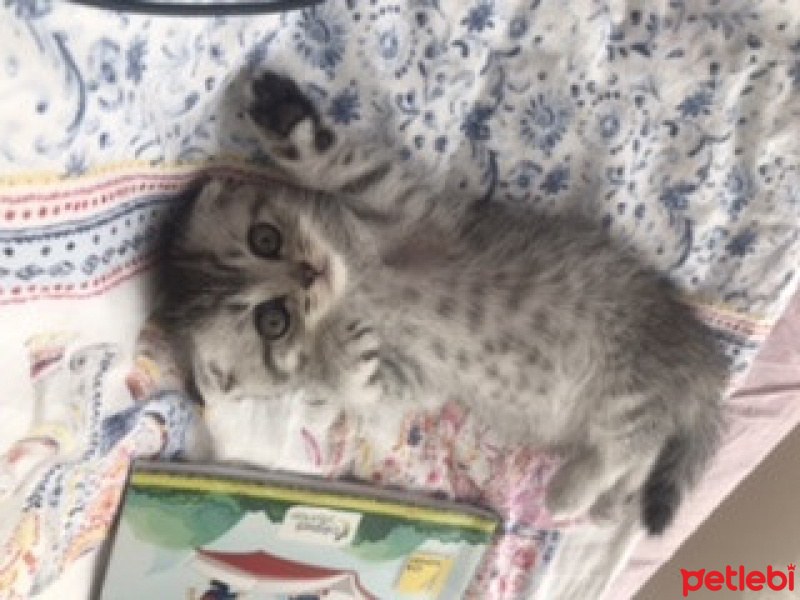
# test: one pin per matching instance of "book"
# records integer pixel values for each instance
(217, 532)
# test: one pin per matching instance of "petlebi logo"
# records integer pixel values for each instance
(738, 579)
(320, 526)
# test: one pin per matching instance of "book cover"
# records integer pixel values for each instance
(203, 532)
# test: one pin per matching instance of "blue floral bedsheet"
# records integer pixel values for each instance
(673, 124)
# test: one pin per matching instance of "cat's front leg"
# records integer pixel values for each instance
(315, 156)
(376, 385)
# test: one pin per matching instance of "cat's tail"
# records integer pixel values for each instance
(682, 460)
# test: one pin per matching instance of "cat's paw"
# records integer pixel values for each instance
(573, 488)
(611, 506)
(362, 353)
(586, 483)
(278, 105)
(284, 114)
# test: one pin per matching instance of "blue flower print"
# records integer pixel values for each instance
(742, 243)
(104, 62)
(29, 272)
(716, 238)
(76, 165)
(103, 58)
(475, 125)
(61, 269)
(390, 45)
(544, 123)
(794, 74)
(345, 107)
(517, 28)
(556, 180)
(135, 58)
(608, 126)
(676, 197)
(320, 38)
(697, 104)
(522, 178)
(480, 16)
(30, 9)
(737, 191)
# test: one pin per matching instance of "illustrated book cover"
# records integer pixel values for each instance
(216, 532)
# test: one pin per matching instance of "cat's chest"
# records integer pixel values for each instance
(462, 333)
(420, 250)
(513, 374)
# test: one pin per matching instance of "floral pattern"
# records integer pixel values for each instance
(64, 479)
(669, 123)
(545, 121)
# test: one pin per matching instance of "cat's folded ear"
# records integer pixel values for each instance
(211, 189)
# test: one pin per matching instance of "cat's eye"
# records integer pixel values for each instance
(272, 319)
(264, 240)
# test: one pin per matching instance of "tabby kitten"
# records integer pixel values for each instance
(361, 286)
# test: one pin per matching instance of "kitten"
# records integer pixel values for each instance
(362, 286)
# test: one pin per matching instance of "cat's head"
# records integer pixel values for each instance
(254, 290)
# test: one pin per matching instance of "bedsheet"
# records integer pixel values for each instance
(764, 410)
(669, 123)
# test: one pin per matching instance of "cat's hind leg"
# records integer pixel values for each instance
(577, 484)
(606, 474)
(612, 504)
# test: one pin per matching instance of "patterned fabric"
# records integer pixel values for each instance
(64, 479)
(671, 124)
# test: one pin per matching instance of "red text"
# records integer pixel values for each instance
(739, 579)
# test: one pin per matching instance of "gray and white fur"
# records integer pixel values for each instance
(361, 285)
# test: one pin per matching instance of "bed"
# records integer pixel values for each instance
(669, 123)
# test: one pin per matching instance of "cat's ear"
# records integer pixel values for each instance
(212, 190)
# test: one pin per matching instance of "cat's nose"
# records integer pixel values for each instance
(305, 274)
